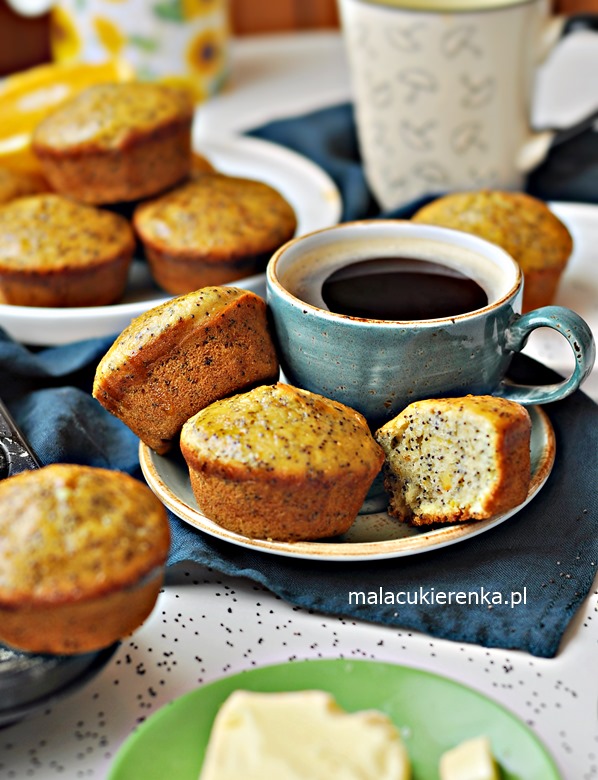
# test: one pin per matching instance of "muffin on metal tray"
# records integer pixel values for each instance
(82, 554)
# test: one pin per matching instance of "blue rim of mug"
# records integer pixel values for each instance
(467, 240)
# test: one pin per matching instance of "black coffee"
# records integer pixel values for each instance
(401, 288)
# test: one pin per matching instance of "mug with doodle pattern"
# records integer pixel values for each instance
(183, 42)
(442, 91)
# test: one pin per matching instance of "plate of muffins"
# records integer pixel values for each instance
(374, 533)
(129, 212)
(245, 457)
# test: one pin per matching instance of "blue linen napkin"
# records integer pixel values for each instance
(550, 548)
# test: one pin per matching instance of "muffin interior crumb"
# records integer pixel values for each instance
(445, 461)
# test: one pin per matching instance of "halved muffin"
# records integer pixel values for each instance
(452, 460)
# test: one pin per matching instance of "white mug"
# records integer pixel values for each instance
(443, 89)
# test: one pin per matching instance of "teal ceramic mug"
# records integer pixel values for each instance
(376, 360)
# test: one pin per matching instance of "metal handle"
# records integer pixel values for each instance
(16, 454)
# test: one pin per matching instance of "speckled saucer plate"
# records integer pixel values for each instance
(310, 191)
(432, 712)
(374, 534)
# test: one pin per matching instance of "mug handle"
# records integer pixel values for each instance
(578, 334)
(539, 144)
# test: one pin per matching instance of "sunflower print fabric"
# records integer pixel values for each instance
(181, 42)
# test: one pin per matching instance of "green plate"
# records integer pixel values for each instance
(433, 713)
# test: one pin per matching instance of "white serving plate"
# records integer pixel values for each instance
(307, 187)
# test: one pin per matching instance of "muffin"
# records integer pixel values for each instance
(18, 184)
(522, 225)
(55, 252)
(200, 165)
(117, 142)
(180, 356)
(456, 459)
(82, 553)
(280, 463)
(212, 230)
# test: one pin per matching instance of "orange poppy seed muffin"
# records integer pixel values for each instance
(180, 356)
(522, 225)
(212, 230)
(82, 554)
(18, 184)
(280, 463)
(117, 142)
(55, 252)
(451, 460)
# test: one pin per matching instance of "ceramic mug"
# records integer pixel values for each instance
(380, 366)
(181, 42)
(442, 91)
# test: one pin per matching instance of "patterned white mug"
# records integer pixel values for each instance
(442, 91)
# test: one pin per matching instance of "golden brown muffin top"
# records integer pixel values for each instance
(50, 232)
(522, 225)
(217, 216)
(282, 430)
(501, 412)
(17, 184)
(196, 308)
(109, 116)
(66, 531)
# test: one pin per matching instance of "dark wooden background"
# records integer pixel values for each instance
(24, 42)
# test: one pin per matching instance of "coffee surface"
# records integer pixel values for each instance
(401, 288)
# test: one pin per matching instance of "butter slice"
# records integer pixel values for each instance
(301, 735)
(470, 760)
